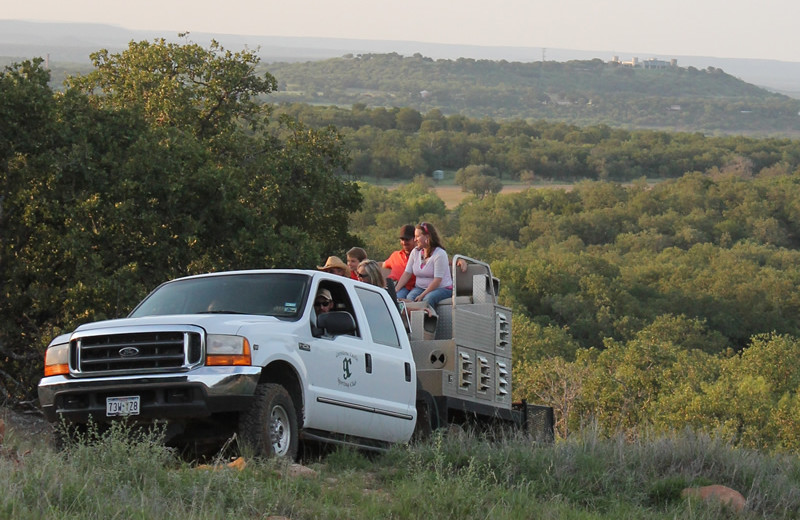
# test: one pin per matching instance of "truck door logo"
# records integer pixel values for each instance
(347, 377)
(346, 368)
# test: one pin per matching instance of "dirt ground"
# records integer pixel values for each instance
(29, 425)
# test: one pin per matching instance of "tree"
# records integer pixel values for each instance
(28, 135)
(408, 119)
(481, 185)
(527, 176)
(556, 383)
(147, 171)
(206, 91)
(463, 175)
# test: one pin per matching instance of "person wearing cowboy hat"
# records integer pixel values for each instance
(334, 265)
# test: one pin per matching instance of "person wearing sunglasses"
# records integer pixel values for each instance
(428, 262)
(323, 302)
(398, 260)
(369, 271)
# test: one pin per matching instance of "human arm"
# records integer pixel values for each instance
(403, 279)
(408, 270)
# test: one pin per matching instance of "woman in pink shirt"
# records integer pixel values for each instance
(428, 263)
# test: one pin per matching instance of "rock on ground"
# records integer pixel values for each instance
(723, 494)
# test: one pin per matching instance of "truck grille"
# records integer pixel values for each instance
(150, 350)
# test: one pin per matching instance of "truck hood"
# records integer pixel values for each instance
(212, 323)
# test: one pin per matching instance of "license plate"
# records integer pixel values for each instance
(128, 405)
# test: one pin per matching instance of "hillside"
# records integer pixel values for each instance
(578, 92)
(483, 82)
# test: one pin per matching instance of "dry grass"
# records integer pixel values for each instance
(452, 195)
(455, 474)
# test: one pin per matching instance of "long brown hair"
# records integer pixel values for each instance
(434, 242)
(373, 271)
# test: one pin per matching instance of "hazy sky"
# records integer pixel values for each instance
(721, 28)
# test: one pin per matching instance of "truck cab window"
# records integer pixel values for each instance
(340, 302)
(379, 318)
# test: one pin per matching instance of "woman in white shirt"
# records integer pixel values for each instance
(428, 262)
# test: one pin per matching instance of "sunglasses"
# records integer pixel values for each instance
(424, 227)
(322, 303)
(362, 275)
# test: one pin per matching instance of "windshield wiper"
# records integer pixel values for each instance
(222, 312)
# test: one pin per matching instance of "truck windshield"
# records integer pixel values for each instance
(267, 294)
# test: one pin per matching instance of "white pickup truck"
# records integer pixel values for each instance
(245, 352)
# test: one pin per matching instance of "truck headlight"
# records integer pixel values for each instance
(227, 350)
(56, 360)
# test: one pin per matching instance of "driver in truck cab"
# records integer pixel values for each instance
(323, 302)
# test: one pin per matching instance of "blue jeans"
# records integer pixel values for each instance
(402, 293)
(433, 297)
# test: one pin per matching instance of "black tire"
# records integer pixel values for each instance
(269, 427)
(427, 417)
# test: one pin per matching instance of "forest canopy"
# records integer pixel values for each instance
(643, 306)
(400, 143)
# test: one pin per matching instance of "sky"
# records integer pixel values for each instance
(763, 29)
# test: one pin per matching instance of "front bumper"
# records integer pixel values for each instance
(196, 394)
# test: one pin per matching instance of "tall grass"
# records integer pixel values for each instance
(125, 474)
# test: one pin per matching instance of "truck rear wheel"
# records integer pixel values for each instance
(269, 427)
(427, 417)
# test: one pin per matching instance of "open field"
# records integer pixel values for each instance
(452, 195)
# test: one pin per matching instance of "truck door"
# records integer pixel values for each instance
(391, 377)
(339, 397)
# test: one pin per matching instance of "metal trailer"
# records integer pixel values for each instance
(463, 357)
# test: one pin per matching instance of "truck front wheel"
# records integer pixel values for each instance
(269, 427)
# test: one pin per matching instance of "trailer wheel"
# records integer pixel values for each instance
(427, 417)
(269, 427)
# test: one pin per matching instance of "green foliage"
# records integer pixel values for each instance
(385, 211)
(159, 163)
(554, 151)
(479, 180)
(204, 91)
(606, 261)
(651, 306)
(667, 490)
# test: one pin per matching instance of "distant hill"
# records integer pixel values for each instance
(73, 42)
(577, 92)
(703, 94)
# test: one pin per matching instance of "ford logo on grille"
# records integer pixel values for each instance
(128, 352)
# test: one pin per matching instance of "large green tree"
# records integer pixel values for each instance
(160, 162)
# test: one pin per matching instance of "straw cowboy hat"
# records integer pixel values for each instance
(334, 261)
